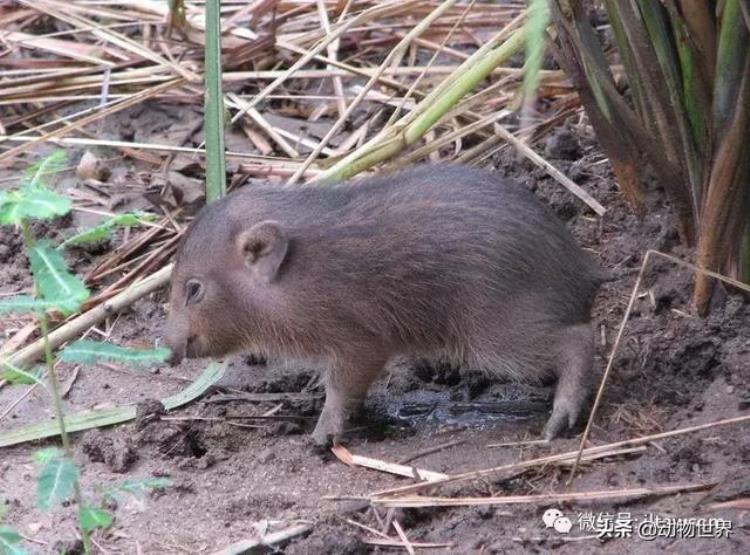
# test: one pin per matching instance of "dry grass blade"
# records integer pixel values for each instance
(431, 450)
(86, 142)
(402, 536)
(345, 456)
(332, 49)
(384, 540)
(131, 101)
(396, 543)
(393, 54)
(268, 540)
(62, 12)
(543, 498)
(264, 125)
(553, 171)
(742, 504)
(388, 8)
(434, 106)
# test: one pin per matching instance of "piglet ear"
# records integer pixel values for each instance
(264, 247)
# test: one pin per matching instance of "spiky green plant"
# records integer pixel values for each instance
(10, 542)
(56, 289)
(104, 230)
(687, 66)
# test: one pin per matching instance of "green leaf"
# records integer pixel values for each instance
(104, 229)
(130, 219)
(56, 482)
(139, 487)
(88, 236)
(9, 540)
(32, 201)
(731, 53)
(44, 456)
(18, 376)
(97, 418)
(94, 517)
(86, 351)
(21, 304)
(53, 280)
(52, 164)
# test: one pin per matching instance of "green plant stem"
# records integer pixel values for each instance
(428, 112)
(214, 123)
(55, 385)
(59, 413)
(49, 357)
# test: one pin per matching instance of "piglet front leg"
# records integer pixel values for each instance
(346, 388)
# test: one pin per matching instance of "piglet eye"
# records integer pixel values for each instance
(193, 291)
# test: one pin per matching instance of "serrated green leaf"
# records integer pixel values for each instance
(94, 517)
(32, 201)
(104, 229)
(18, 376)
(9, 540)
(44, 456)
(56, 482)
(139, 487)
(53, 280)
(22, 304)
(36, 174)
(88, 236)
(86, 351)
(130, 219)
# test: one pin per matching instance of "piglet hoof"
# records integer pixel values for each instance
(320, 449)
(327, 432)
(564, 418)
(556, 425)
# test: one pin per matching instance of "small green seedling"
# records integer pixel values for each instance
(91, 352)
(57, 480)
(18, 376)
(57, 289)
(10, 542)
(104, 230)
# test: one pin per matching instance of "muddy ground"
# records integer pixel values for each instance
(233, 478)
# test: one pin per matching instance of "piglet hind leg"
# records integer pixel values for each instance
(346, 388)
(575, 380)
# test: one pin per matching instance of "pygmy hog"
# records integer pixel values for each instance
(443, 262)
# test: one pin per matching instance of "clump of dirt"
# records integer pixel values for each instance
(14, 274)
(117, 452)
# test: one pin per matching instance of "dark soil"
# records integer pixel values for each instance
(235, 475)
